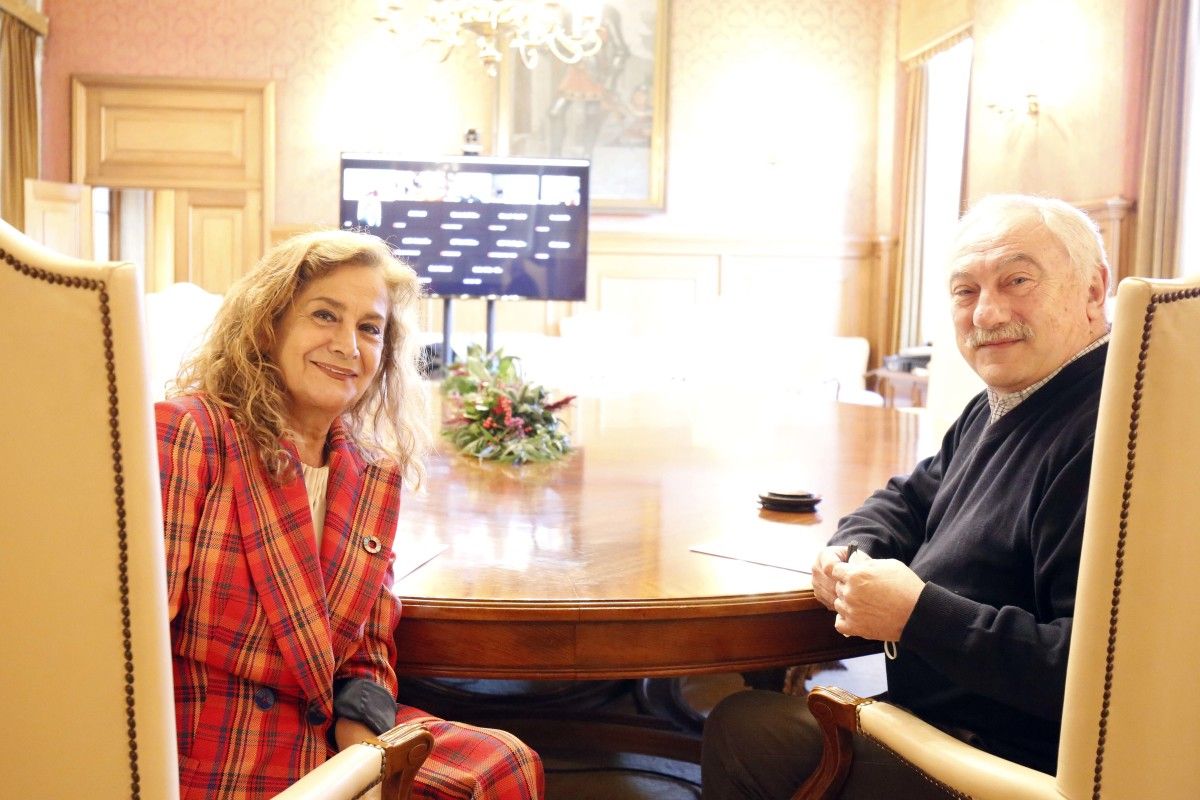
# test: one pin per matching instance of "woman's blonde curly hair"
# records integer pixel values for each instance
(234, 366)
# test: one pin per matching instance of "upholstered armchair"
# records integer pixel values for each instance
(1131, 722)
(382, 768)
(85, 675)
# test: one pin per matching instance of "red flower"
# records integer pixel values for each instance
(560, 403)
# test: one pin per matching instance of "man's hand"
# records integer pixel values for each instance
(822, 573)
(873, 598)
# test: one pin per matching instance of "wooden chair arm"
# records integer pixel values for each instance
(836, 711)
(381, 768)
(405, 749)
(963, 770)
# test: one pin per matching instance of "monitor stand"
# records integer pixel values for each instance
(490, 342)
(448, 326)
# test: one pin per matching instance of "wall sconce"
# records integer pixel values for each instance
(1031, 106)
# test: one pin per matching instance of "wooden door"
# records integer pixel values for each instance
(206, 150)
(59, 215)
(211, 236)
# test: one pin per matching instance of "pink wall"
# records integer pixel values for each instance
(201, 38)
(774, 101)
(328, 99)
(1085, 60)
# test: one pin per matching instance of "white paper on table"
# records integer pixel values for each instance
(411, 556)
(784, 550)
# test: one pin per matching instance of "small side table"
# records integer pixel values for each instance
(911, 384)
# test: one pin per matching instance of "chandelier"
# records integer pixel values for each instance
(569, 30)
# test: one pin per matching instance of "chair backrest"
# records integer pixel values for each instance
(85, 680)
(1131, 724)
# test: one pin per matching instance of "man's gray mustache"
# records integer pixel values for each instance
(978, 337)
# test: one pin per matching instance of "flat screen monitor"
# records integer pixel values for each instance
(476, 227)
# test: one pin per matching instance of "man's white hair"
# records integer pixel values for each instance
(995, 215)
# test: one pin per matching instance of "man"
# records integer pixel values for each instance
(966, 568)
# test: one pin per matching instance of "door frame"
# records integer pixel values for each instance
(190, 134)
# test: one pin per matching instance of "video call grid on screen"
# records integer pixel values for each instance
(479, 227)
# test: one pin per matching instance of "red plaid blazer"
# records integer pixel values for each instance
(261, 623)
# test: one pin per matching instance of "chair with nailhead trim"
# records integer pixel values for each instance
(1131, 721)
(86, 670)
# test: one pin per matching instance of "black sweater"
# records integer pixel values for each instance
(993, 523)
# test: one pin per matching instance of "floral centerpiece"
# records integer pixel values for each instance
(492, 412)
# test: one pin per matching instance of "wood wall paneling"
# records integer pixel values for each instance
(222, 236)
(655, 293)
(160, 238)
(1115, 217)
(59, 215)
(799, 294)
(146, 133)
(663, 286)
(205, 147)
(523, 316)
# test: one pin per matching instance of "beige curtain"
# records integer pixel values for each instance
(18, 98)
(1159, 194)
(906, 280)
(927, 26)
(906, 312)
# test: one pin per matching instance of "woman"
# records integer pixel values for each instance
(281, 455)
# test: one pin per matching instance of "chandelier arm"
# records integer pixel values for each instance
(527, 26)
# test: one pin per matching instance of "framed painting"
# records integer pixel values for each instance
(609, 108)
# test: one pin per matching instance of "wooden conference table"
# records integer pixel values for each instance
(583, 569)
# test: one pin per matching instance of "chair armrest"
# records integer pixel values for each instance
(836, 711)
(949, 761)
(382, 767)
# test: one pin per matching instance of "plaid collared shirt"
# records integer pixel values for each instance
(1001, 404)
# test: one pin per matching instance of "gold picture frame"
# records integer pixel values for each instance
(610, 108)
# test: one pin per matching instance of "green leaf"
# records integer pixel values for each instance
(473, 395)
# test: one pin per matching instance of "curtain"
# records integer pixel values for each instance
(1159, 193)
(928, 26)
(905, 282)
(18, 98)
(906, 297)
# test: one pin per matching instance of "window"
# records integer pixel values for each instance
(949, 75)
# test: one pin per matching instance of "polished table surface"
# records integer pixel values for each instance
(582, 568)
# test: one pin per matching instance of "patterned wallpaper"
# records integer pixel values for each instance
(341, 82)
(773, 114)
(772, 103)
(1085, 142)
